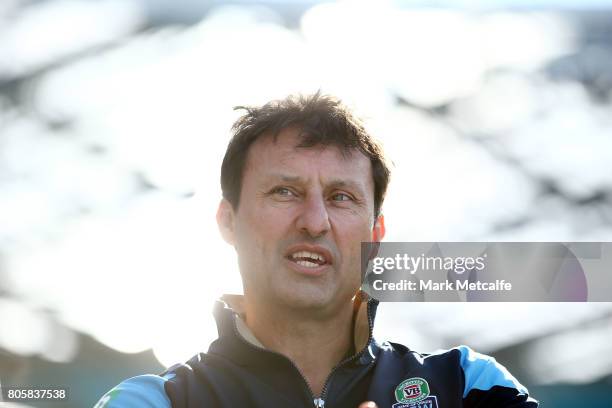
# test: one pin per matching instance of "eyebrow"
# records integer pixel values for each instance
(345, 183)
(289, 179)
(336, 182)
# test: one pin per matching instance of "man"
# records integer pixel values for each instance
(303, 184)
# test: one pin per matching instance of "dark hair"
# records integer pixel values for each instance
(323, 120)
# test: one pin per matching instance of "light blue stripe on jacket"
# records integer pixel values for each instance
(143, 391)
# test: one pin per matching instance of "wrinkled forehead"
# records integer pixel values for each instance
(287, 152)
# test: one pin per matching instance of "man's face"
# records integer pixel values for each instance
(302, 216)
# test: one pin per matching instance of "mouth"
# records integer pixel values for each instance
(309, 257)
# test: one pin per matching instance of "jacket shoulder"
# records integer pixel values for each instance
(459, 376)
(486, 380)
(143, 391)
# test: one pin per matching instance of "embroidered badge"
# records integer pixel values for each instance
(414, 393)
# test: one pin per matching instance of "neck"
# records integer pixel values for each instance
(314, 345)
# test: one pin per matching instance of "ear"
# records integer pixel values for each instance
(378, 231)
(225, 221)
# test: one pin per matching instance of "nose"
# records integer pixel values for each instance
(314, 218)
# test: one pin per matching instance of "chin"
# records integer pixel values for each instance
(311, 298)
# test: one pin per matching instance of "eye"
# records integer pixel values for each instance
(341, 197)
(282, 191)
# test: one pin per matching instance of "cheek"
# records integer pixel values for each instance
(258, 234)
(351, 239)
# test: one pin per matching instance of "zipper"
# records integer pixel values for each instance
(347, 360)
(320, 401)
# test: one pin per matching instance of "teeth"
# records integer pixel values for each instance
(308, 254)
(307, 264)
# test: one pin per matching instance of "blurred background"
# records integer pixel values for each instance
(115, 114)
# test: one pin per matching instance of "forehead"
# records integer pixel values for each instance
(268, 155)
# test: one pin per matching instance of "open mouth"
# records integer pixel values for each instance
(307, 259)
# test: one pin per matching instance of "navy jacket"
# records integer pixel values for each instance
(238, 372)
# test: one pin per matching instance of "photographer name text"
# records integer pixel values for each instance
(431, 285)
